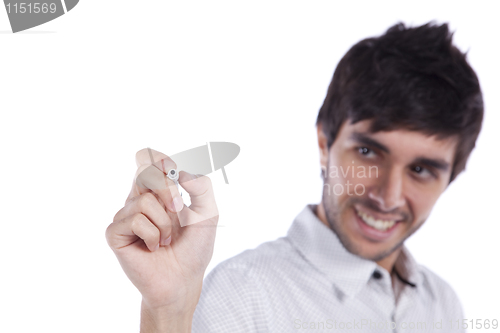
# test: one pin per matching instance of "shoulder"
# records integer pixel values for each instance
(440, 291)
(268, 258)
(234, 296)
(435, 284)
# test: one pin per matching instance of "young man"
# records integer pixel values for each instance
(399, 121)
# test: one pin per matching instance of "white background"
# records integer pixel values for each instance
(81, 94)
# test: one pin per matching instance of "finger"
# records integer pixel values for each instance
(155, 180)
(152, 177)
(135, 193)
(151, 164)
(124, 232)
(148, 156)
(199, 188)
(203, 206)
(148, 205)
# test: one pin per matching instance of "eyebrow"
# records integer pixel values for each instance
(438, 164)
(361, 138)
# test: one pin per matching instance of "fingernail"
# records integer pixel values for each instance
(166, 241)
(178, 204)
(171, 206)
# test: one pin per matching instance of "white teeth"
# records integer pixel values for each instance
(377, 224)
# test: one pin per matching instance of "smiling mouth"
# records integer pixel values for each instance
(381, 225)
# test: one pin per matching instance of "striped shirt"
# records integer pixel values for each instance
(307, 281)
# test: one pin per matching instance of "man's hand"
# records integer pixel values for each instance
(165, 261)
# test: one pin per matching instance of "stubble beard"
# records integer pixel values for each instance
(333, 216)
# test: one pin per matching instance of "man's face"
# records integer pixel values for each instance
(380, 187)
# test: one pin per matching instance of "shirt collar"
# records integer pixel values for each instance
(407, 268)
(322, 248)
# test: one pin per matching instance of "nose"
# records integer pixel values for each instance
(388, 193)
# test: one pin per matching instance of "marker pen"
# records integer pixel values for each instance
(174, 176)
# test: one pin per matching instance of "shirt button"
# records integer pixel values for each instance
(377, 275)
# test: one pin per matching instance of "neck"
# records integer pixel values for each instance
(389, 261)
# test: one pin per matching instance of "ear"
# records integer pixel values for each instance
(323, 148)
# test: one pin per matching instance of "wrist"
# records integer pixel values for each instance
(175, 316)
(165, 319)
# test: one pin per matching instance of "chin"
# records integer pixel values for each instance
(360, 240)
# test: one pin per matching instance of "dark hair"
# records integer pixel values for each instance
(412, 78)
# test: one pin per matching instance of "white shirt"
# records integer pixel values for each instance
(307, 281)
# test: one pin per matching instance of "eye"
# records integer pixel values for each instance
(366, 151)
(363, 150)
(422, 172)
